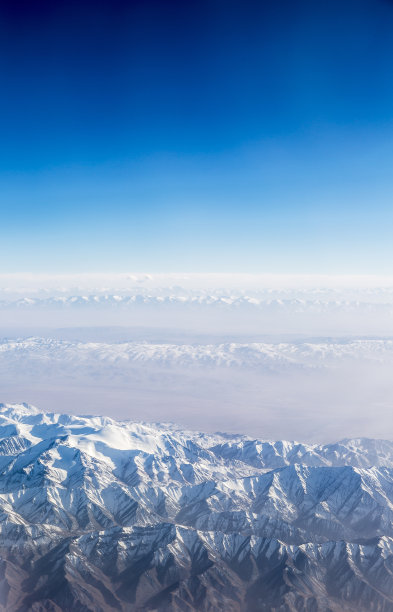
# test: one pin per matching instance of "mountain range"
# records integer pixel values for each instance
(99, 515)
(260, 356)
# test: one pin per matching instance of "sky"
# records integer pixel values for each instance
(198, 136)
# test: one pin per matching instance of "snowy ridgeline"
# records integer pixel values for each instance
(278, 301)
(293, 310)
(201, 303)
(278, 356)
(103, 515)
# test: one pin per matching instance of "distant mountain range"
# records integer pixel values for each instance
(98, 515)
(273, 304)
(259, 356)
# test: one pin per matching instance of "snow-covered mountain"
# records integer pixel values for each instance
(103, 515)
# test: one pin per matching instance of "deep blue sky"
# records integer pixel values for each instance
(196, 136)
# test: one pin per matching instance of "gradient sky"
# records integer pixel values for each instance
(200, 135)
